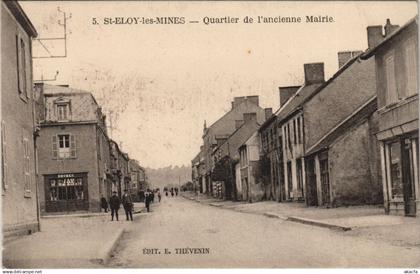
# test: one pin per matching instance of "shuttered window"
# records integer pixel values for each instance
(410, 56)
(21, 66)
(26, 167)
(4, 156)
(391, 88)
(64, 146)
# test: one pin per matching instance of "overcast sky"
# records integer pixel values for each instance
(158, 83)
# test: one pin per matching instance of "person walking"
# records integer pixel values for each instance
(172, 192)
(114, 203)
(128, 205)
(159, 196)
(147, 196)
(104, 204)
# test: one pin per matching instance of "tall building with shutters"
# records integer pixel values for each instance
(18, 131)
(74, 153)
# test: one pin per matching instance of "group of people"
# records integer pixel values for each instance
(115, 204)
(174, 191)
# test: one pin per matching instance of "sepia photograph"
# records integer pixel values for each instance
(209, 135)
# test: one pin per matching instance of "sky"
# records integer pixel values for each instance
(158, 83)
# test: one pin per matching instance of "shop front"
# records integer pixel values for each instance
(401, 174)
(66, 192)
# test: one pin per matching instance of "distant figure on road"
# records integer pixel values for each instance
(166, 194)
(159, 196)
(104, 204)
(128, 205)
(176, 191)
(172, 192)
(152, 196)
(147, 197)
(114, 203)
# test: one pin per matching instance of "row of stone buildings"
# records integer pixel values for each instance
(348, 140)
(56, 152)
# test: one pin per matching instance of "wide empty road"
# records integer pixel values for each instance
(225, 238)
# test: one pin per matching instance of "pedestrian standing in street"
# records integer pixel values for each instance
(104, 204)
(147, 199)
(172, 192)
(152, 196)
(166, 194)
(128, 205)
(114, 203)
(159, 196)
(176, 191)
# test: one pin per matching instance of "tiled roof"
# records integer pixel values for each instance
(364, 111)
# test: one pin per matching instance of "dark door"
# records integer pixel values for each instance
(311, 191)
(408, 178)
(289, 179)
(325, 183)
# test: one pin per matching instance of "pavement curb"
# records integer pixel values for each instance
(317, 223)
(105, 254)
(274, 215)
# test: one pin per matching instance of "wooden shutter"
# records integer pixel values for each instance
(4, 155)
(18, 56)
(73, 153)
(26, 166)
(55, 147)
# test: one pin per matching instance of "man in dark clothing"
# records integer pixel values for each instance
(104, 204)
(128, 205)
(114, 203)
(147, 200)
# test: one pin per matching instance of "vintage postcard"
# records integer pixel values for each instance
(210, 134)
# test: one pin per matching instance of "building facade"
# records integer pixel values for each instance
(226, 156)
(342, 168)
(74, 159)
(291, 128)
(348, 91)
(18, 130)
(220, 130)
(251, 187)
(396, 56)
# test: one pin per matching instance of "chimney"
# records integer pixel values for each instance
(237, 101)
(375, 36)
(345, 56)
(286, 92)
(254, 99)
(268, 113)
(251, 116)
(314, 73)
(389, 28)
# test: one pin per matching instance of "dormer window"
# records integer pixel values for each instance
(62, 112)
(63, 109)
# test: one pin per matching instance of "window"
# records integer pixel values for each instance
(294, 132)
(63, 112)
(298, 130)
(3, 155)
(395, 168)
(21, 66)
(26, 167)
(62, 189)
(64, 146)
(410, 56)
(391, 88)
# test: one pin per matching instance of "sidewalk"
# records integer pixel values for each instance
(68, 241)
(367, 221)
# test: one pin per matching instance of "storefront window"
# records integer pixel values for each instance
(395, 168)
(66, 189)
